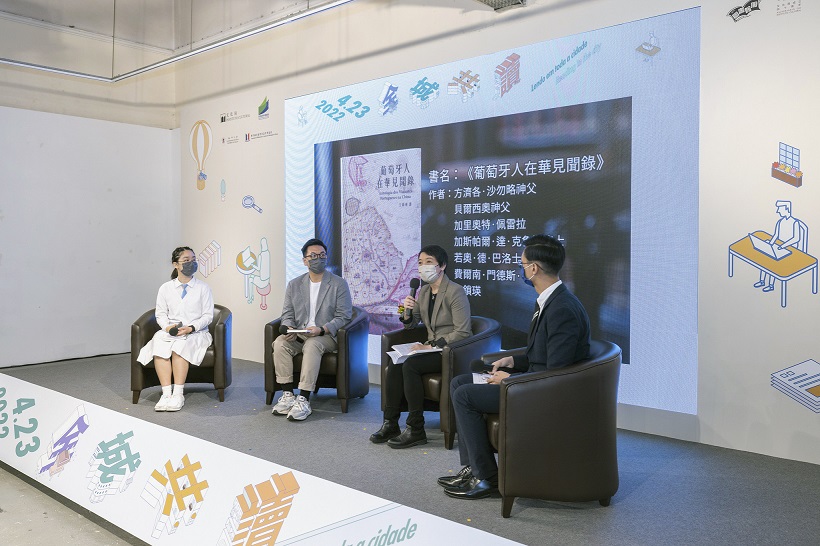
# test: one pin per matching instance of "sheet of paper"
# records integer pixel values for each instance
(480, 378)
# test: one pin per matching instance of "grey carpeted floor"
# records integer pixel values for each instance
(671, 492)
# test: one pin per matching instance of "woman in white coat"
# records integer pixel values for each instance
(184, 310)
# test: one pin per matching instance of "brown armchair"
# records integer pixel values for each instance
(215, 368)
(455, 360)
(556, 433)
(345, 370)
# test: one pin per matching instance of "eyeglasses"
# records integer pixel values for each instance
(313, 256)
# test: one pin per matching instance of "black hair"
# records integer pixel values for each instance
(436, 252)
(547, 252)
(175, 258)
(310, 243)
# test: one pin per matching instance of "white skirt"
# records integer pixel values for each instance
(191, 347)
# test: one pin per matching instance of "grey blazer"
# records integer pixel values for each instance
(333, 306)
(451, 312)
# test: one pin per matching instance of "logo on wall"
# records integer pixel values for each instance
(232, 116)
(176, 493)
(262, 110)
(63, 442)
(739, 12)
(260, 134)
(507, 74)
(200, 142)
(465, 85)
(801, 383)
(787, 167)
(259, 512)
(113, 466)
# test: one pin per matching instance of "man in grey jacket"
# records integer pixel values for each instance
(317, 303)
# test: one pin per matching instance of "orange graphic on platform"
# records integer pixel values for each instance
(259, 512)
(177, 493)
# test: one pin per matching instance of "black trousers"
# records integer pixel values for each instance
(470, 403)
(403, 381)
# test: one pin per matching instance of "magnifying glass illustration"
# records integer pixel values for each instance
(248, 203)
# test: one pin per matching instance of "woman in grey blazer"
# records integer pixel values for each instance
(444, 309)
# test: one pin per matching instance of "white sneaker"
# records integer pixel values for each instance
(162, 405)
(284, 404)
(176, 403)
(300, 410)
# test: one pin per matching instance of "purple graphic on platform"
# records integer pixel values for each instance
(63, 442)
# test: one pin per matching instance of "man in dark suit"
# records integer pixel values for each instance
(558, 336)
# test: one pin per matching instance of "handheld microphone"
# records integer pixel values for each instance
(479, 366)
(414, 285)
(174, 329)
(440, 343)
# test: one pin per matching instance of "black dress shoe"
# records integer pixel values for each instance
(456, 480)
(474, 488)
(390, 429)
(408, 438)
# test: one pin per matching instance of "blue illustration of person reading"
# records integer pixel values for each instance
(791, 231)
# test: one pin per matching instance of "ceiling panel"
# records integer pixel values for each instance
(157, 23)
(104, 39)
(89, 15)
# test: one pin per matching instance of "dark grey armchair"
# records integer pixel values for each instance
(556, 432)
(345, 370)
(215, 368)
(455, 360)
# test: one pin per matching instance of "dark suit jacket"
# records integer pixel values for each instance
(560, 335)
(451, 312)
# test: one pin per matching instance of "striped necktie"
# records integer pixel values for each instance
(184, 290)
(535, 314)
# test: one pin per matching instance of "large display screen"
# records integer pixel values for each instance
(479, 188)
(591, 138)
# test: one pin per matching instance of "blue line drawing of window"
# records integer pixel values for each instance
(789, 155)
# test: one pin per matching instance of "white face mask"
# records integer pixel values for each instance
(428, 273)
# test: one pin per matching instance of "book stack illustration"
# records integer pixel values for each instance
(210, 258)
(801, 382)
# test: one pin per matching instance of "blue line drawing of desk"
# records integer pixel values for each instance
(784, 270)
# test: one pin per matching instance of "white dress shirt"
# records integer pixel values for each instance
(195, 309)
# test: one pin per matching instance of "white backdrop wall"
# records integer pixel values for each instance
(759, 84)
(751, 100)
(89, 213)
